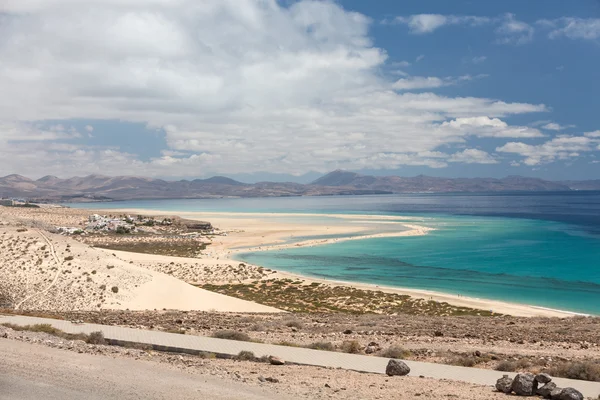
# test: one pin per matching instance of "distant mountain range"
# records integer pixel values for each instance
(106, 188)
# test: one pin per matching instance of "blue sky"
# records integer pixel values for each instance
(290, 90)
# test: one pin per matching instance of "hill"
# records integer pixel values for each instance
(339, 182)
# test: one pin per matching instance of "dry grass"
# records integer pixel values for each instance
(395, 352)
(351, 346)
(232, 335)
(583, 370)
(326, 346)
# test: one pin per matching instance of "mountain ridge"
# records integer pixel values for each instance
(338, 182)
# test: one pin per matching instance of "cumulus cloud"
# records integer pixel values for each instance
(553, 126)
(473, 156)
(236, 86)
(427, 23)
(560, 147)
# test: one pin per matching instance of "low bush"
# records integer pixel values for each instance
(96, 338)
(245, 356)
(351, 346)
(583, 370)
(395, 352)
(506, 366)
(327, 346)
(232, 335)
(294, 324)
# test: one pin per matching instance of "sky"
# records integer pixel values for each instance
(290, 90)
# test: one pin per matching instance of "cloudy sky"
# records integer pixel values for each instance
(259, 89)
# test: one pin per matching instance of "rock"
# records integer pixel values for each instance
(543, 378)
(5, 335)
(262, 379)
(370, 350)
(477, 353)
(504, 384)
(348, 332)
(546, 390)
(570, 394)
(397, 367)
(276, 360)
(272, 380)
(555, 394)
(524, 384)
(438, 333)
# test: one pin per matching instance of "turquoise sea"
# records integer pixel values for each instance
(539, 249)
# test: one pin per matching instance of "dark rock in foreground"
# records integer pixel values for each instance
(397, 368)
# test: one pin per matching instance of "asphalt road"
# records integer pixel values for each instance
(34, 372)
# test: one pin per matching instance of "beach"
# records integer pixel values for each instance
(249, 232)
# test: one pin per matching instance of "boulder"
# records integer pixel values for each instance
(543, 378)
(524, 384)
(504, 384)
(397, 367)
(570, 394)
(276, 360)
(555, 394)
(546, 390)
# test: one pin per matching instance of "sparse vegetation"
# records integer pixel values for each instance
(584, 370)
(96, 338)
(395, 352)
(351, 346)
(232, 335)
(506, 366)
(115, 289)
(294, 296)
(245, 356)
(326, 346)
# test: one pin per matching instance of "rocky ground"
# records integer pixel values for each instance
(291, 380)
(509, 343)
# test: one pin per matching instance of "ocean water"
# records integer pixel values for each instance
(540, 249)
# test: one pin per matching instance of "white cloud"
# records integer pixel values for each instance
(573, 28)
(489, 127)
(89, 128)
(427, 23)
(473, 156)
(509, 29)
(558, 148)
(421, 82)
(478, 59)
(237, 86)
(419, 57)
(553, 126)
(595, 134)
(513, 31)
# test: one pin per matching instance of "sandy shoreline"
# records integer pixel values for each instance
(250, 232)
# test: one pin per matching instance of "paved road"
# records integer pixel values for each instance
(34, 372)
(186, 343)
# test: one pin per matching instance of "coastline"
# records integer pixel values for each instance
(259, 232)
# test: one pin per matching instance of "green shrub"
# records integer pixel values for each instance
(463, 361)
